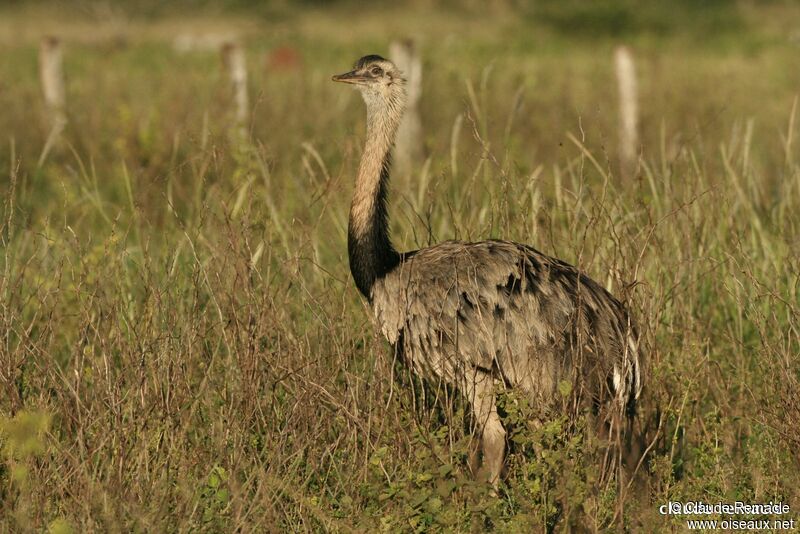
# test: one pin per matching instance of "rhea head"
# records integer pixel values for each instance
(380, 82)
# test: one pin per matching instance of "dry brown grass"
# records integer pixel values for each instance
(182, 347)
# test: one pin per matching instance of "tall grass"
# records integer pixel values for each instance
(183, 349)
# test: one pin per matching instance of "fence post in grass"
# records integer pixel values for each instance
(409, 150)
(233, 59)
(628, 111)
(51, 74)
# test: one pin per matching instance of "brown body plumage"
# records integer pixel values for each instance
(479, 316)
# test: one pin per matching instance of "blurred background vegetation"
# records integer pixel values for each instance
(182, 347)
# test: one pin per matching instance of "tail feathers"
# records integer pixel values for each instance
(627, 377)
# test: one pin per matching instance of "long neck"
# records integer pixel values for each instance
(369, 246)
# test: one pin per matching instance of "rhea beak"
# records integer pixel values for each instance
(349, 77)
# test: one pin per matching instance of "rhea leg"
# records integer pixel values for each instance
(480, 393)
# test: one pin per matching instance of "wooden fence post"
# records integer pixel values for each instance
(409, 148)
(51, 75)
(628, 111)
(234, 61)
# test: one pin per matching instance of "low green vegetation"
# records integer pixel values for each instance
(182, 348)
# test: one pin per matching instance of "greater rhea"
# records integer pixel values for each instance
(486, 315)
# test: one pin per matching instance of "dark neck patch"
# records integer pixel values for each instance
(371, 253)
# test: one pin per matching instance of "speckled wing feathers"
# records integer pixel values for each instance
(507, 309)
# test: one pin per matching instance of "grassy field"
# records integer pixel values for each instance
(182, 347)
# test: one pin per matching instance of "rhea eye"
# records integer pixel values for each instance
(376, 71)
